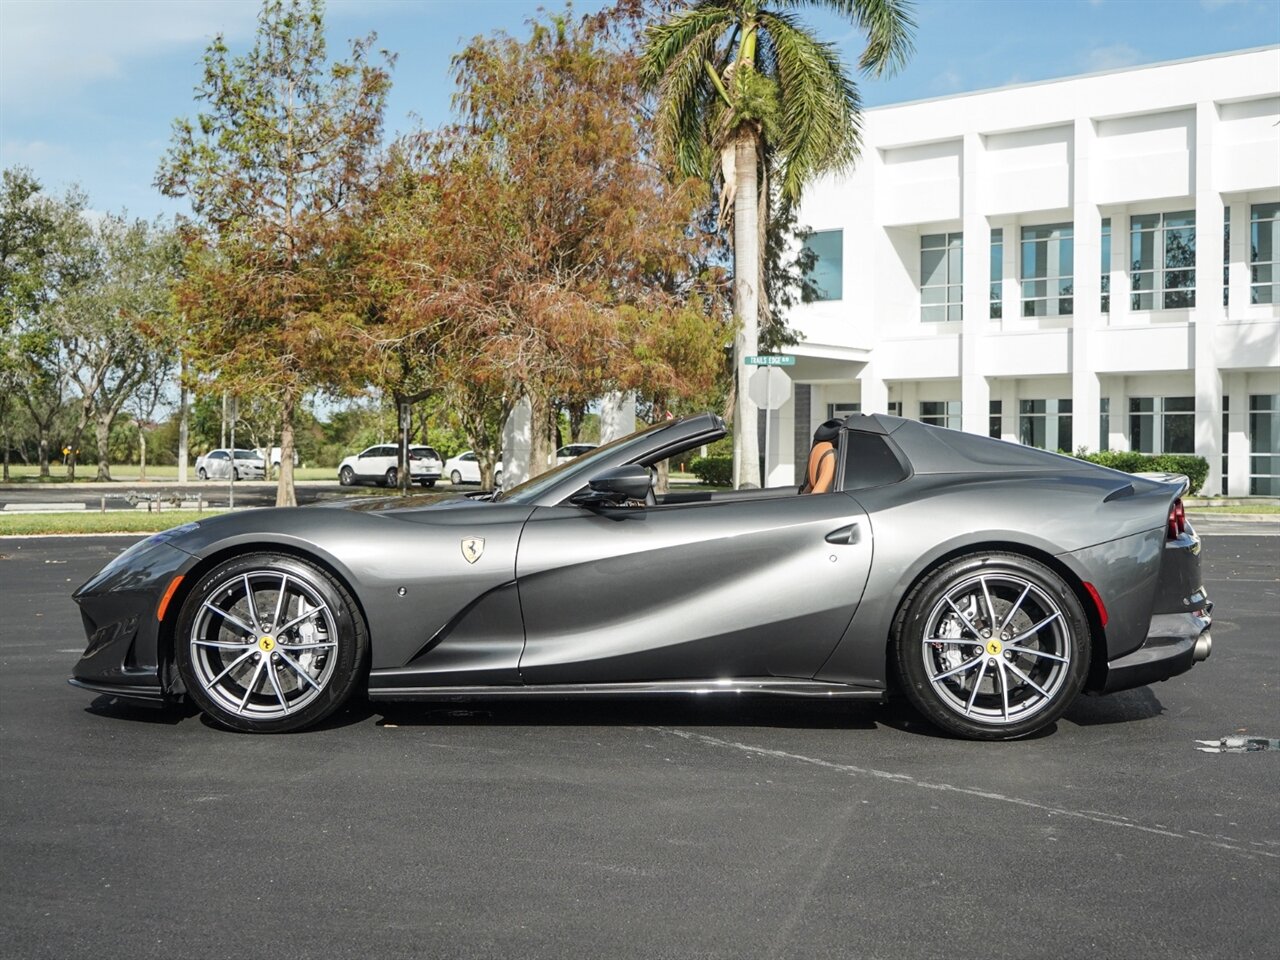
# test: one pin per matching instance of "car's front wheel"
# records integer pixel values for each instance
(346, 476)
(269, 643)
(992, 646)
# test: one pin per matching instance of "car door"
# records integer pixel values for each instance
(218, 464)
(720, 589)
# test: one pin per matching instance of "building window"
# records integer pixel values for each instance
(1264, 444)
(1162, 247)
(825, 251)
(838, 411)
(941, 265)
(1106, 265)
(941, 413)
(1045, 424)
(1047, 265)
(997, 273)
(1264, 242)
(1226, 256)
(1104, 423)
(995, 410)
(1226, 439)
(1162, 424)
(895, 408)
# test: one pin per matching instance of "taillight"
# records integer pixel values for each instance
(1177, 520)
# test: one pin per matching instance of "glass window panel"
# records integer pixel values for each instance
(1183, 218)
(955, 312)
(1178, 404)
(1179, 433)
(1179, 279)
(1034, 289)
(1263, 273)
(1031, 406)
(933, 240)
(933, 267)
(827, 274)
(1179, 299)
(1064, 433)
(1146, 221)
(1264, 401)
(1141, 301)
(1142, 251)
(1064, 307)
(930, 295)
(1264, 294)
(1264, 486)
(954, 262)
(1180, 248)
(1142, 432)
(933, 314)
(1141, 404)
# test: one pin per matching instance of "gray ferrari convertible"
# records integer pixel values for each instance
(987, 582)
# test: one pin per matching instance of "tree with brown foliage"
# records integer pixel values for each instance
(278, 166)
(535, 251)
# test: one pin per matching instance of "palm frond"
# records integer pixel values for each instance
(889, 24)
(819, 129)
(674, 61)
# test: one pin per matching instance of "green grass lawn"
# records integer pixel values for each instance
(128, 473)
(116, 521)
(1227, 508)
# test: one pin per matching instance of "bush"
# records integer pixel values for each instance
(1196, 468)
(713, 471)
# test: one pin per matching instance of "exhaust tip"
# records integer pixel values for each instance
(1203, 647)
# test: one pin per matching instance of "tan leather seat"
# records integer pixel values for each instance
(822, 468)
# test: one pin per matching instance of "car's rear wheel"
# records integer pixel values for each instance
(346, 476)
(455, 478)
(269, 643)
(992, 646)
(202, 473)
(497, 480)
(428, 483)
(392, 477)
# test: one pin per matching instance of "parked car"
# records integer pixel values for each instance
(567, 453)
(218, 465)
(465, 468)
(432, 466)
(988, 583)
(381, 464)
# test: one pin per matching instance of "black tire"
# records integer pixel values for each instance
(392, 476)
(455, 478)
(255, 681)
(235, 473)
(1033, 637)
(346, 476)
(428, 483)
(202, 473)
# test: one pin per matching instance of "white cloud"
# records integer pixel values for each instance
(51, 49)
(1111, 57)
(31, 153)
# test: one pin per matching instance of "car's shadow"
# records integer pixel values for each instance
(737, 711)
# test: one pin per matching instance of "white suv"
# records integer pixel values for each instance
(381, 464)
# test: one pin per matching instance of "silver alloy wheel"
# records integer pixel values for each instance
(204, 474)
(263, 645)
(996, 649)
(455, 478)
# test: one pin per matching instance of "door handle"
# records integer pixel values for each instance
(846, 535)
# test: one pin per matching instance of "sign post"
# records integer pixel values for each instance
(776, 389)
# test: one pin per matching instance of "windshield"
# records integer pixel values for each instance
(585, 465)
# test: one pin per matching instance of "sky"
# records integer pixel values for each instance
(89, 89)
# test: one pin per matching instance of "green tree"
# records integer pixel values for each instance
(748, 84)
(278, 167)
(110, 326)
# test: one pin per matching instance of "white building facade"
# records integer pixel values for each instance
(1092, 262)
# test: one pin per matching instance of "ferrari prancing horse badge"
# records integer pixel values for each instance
(472, 548)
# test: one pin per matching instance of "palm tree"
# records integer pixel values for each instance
(752, 86)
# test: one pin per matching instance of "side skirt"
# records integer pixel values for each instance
(568, 691)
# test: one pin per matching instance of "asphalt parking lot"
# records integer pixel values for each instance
(657, 829)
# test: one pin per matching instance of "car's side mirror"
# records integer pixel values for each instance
(615, 486)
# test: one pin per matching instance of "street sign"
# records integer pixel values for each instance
(770, 360)
(769, 388)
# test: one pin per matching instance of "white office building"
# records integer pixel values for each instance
(1090, 262)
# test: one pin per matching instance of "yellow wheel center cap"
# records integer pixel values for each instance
(266, 644)
(993, 647)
